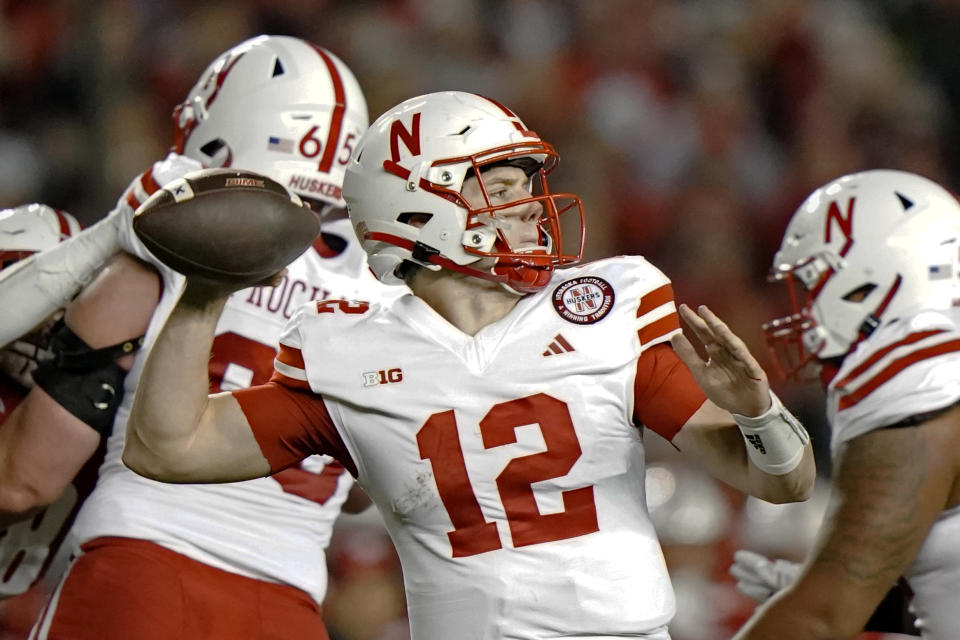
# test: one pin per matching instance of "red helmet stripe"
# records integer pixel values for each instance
(336, 119)
(516, 123)
(221, 78)
(64, 224)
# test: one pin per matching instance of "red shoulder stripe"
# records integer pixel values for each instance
(655, 298)
(287, 381)
(869, 362)
(291, 357)
(132, 200)
(659, 328)
(894, 368)
(148, 182)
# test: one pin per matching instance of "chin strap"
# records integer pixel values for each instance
(515, 276)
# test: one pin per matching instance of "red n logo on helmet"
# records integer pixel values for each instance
(409, 138)
(844, 222)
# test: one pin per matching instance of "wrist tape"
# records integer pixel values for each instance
(775, 439)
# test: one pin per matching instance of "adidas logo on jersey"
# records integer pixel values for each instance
(558, 346)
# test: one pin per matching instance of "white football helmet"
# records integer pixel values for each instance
(31, 228)
(414, 160)
(25, 230)
(279, 106)
(866, 248)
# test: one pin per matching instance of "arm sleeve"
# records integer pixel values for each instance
(290, 424)
(665, 394)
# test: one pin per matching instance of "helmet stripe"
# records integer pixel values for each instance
(221, 78)
(336, 120)
(64, 224)
(516, 121)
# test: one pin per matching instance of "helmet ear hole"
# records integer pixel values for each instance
(414, 218)
(213, 149)
(860, 293)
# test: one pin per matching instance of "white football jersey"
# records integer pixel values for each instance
(507, 465)
(908, 368)
(275, 528)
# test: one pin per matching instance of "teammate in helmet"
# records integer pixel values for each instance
(37, 500)
(494, 414)
(213, 561)
(875, 259)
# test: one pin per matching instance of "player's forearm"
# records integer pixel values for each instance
(823, 605)
(711, 437)
(42, 284)
(794, 486)
(171, 400)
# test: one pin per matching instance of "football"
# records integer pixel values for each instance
(226, 224)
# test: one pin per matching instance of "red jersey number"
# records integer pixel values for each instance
(472, 534)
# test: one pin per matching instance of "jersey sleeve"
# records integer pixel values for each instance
(907, 371)
(665, 393)
(291, 424)
(289, 420)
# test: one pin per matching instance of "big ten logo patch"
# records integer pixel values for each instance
(583, 300)
(383, 376)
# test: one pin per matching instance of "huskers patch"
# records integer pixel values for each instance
(583, 300)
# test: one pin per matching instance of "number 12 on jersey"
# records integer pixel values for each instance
(439, 443)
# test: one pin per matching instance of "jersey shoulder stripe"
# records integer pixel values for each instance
(657, 315)
(289, 369)
(920, 354)
(877, 355)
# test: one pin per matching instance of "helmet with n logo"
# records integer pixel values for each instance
(860, 251)
(31, 228)
(279, 106)
(403, 192)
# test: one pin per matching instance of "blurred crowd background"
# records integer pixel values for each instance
(691, 129)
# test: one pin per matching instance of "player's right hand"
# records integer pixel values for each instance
(759, 577)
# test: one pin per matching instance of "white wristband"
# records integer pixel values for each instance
(775, 439)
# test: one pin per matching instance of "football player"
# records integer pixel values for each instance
(496, 415)
(873, 261)
(156, 560)
(38, 499)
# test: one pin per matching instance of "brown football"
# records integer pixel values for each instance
(225, 224)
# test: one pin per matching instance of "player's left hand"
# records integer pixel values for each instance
(758, 577)
(730, 376)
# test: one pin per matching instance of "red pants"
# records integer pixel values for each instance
(120, 589)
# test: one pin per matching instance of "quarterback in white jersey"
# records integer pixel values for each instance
(878, 254)
(493, 414)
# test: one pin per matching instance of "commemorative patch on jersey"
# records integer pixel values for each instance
(583, 300)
